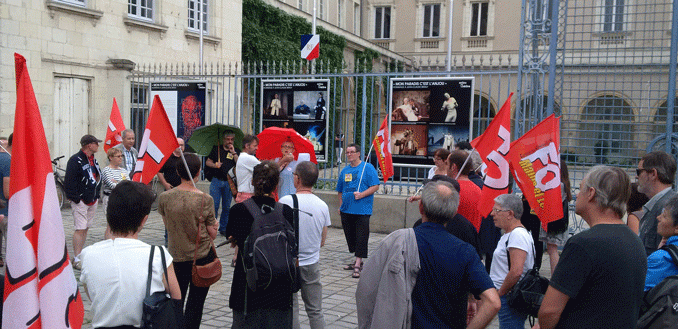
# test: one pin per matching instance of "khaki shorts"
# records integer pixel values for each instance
(83, 215)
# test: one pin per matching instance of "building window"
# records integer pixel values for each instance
(322, 9)
(382, 23)
(613, 16)
(140, 8)
(340, 13)
(195, 7)
(301, 5)
(479, 19)
(139, 110)
(607, 131)
(356, 19)
(79, 3)
(432, 21)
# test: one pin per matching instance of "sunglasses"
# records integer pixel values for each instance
(640, 170)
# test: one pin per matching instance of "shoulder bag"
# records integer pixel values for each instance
(208, 274)
(526, 296)
(160, 310)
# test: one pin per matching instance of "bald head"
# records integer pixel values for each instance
(439, 202)
(181, 148)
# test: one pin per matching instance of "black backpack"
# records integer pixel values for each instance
(270, 251)
(660, 305)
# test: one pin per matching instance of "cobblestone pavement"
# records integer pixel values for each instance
(338, 286)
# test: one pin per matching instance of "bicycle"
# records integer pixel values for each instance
(59, 181)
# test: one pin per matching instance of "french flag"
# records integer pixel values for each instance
(310, 46)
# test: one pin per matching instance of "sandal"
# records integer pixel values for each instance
(351, 266)
(356, 273)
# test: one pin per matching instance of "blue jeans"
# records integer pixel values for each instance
(221, 193)
(510, 318)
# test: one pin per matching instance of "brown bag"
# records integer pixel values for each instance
(208, 274)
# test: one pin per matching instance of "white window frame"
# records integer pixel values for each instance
(614, 21)
(431, 18)
(340, 13)
(194, 21)
(379, 22)
(300, 5)
(321, 9)
(79, 3)
(140, 8)
(479, 19)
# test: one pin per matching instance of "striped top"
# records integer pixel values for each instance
(111, 177)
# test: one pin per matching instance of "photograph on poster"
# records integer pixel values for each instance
(184, 103)
(410, 105)
(301, 105)
(408, 139)
(278, 105)
(314, 131)
(436, 111)
(445, 136)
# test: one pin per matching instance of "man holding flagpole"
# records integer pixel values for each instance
(356, 185)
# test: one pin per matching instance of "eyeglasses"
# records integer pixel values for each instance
(287, 146)
(640, 170)
(495, 210)
(351, 152)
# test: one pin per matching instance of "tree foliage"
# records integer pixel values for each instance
(270, 34)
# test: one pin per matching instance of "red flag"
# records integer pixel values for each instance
(493, 146)
(115, 128)
(40, 288)
(382, 145)
(535, 163)
(158, 143)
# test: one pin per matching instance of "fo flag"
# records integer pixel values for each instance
(310, 46)
(383, 147)
(40, 288)
(493, 146)
(115, 128)
(535, 163)
(158, 143)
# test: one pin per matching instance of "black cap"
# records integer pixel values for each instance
(87, 139)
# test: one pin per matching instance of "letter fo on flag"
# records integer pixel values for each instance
(40, 287)
(383, 146)
(310, 46)
(115, 128)
(158, 143)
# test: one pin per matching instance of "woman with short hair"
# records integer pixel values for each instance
(115, 270)
(112, 174)
(513, 257)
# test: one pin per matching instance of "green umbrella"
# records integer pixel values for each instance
(205, 138)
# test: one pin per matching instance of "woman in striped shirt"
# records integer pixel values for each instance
(112, 174)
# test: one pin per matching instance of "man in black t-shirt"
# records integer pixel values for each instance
(220, 161)
(599, 280)
(168, 176)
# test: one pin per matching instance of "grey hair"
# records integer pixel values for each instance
(439, 205)
(612, 185)
(671, 208)
(125, 132)
(511, 202)
(664, 163)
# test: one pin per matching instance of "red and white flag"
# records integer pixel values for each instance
(158, 143)
(382, 145)
(535, 164)
(115, 128)
(40, 288)
(493, 146)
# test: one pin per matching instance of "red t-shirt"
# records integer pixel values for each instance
(469, 196)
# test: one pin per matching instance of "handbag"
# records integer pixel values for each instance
(159, 309)
(207, 274)
(526, 296)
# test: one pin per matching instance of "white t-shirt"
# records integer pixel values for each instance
(313, 217)
(432, 172)
(115, 273)
(243, 172)
(518, 238)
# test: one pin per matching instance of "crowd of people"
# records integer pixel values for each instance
(454, 269)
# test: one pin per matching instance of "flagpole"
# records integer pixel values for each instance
(367, 157)
(464, 165)
(183, 159)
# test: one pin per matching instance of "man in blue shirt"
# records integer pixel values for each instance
(5, 160)
(450, 268)
(660, 264)
(356, 186)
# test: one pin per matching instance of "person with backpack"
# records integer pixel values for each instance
(266, 304)
(660, 264)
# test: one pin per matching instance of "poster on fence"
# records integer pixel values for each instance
(302, 105)
(428, 114)
(184, 102)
